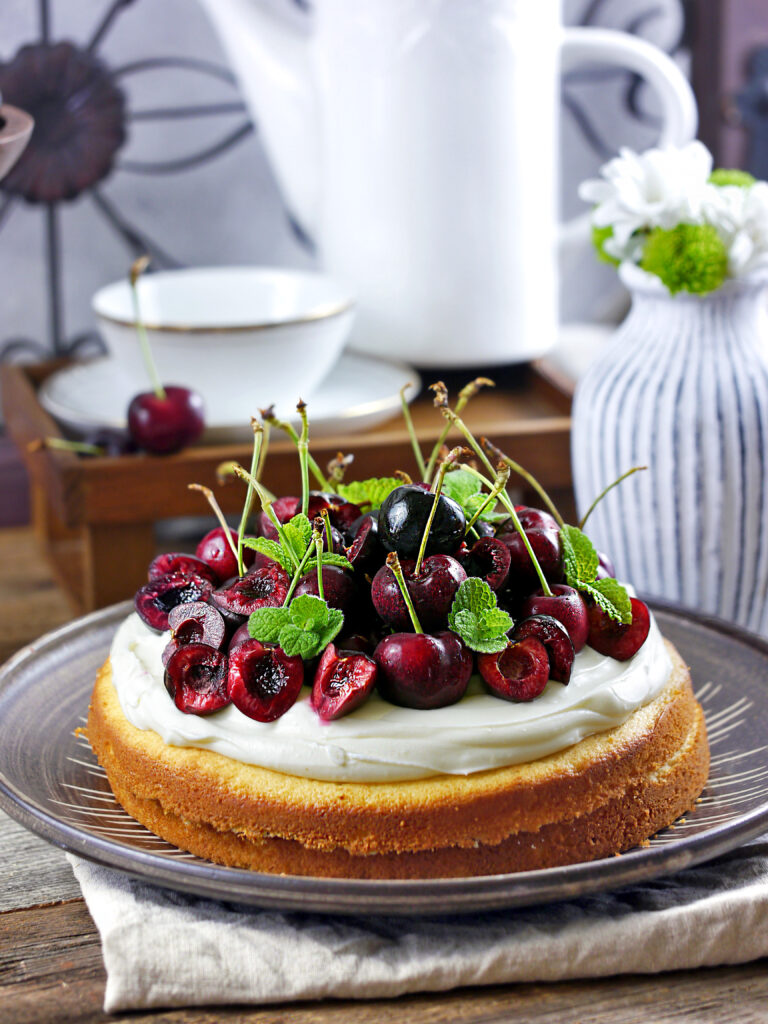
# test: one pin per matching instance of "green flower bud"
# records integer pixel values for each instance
(726, 176)
(689, 257)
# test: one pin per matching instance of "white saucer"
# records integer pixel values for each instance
(358, 393)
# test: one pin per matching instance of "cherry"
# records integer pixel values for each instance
(605, 567)
(543, 535)
(342, 513)
(553, 634)
(567, 606)
(518, 673)
(197, 622)
(421, 670)
(196, 678)
(339, 589)
(343, 680)
(615, 639)
(403, 518)
(259, 588)
(284, 509)
(216, 551)
(179, 561)
(490, 559)
(163, 425)
(432, 592)
(365, 552)
(155, 599)
(240, 635)
(263, 681)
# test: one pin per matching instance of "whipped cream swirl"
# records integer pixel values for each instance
(382, 743)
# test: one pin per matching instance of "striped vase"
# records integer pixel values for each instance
(682, 388)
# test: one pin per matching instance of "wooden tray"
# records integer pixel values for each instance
(95, 517)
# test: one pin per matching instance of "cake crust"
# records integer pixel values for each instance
(601, 796)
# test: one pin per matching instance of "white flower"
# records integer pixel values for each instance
(740, 216)
(657, 188)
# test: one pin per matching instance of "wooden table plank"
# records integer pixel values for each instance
(34, 872)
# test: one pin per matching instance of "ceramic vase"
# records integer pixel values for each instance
(682, 388)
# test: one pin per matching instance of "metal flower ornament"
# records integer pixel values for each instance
(82, 122)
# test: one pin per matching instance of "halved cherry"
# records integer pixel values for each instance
(518, 673)
(261, 588)
(155, 599)
(180, 561)
(489, 559)
(263, 681)
(343, 680)
(612, 638)
(553, 634)
(196, 678)
(197, 622)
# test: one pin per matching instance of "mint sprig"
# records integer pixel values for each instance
(305, 627)
(371, 492)
(476, 618)
(290, 551)
(580, 562)
(467, 491)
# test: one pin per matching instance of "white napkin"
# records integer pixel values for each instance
(163, 948)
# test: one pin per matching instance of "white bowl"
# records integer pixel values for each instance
(281, 330)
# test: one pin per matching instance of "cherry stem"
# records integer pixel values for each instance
(412, 432)
(258, 440)
(445, 465)
(265, 428)
(60, 444)
(497, 453)
(318, 541)
(266, 504)
(393, 563)
(297, 574)
(602, 494)
(209, 497)
(504, 499)
(338, 466)
(327, 523)
(301, 409)
(499, 485)
(137, 269)
(269, 417)
(441, 394)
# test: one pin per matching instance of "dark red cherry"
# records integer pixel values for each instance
(155, 599)
(567, 606)
(343, 680)
(365, 552)
(196, 678)
(339, 589)
(260, 588)
(553, 634)
(420, 670)
(614, 639)
(490, 559)
(342, 513)
(432, 592)
(179, 561)
(240, 635)
(403, 518)
(215, 550)
(263, 681)
(519, 672)
(543, 534)
(605, 567)
(165, 425)
(284, 509)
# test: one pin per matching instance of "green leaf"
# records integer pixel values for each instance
(611, 597)
(329, 558)
(331, 628)
(265, 624)
(476, 618)
(371, 492)
(271, 549)
(308, 611)
(297, 533)
(461, 486)
(295, 640)
(489, 513)
(580, 559)
(305, 628)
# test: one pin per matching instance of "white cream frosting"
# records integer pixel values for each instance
(382, 743)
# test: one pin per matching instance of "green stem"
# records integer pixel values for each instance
(448, 461)
(319, 559)
(269, 417)
(266, 504)
(467, 392)
(209, 497)
(499, 485)
(265, 427)
(297, 575)
(412, 432)
(301, 409)
(258, 438)
(327, 522)
(393, 563)
(137, 269)
(602, 494)
(528, 477)
(505, 501)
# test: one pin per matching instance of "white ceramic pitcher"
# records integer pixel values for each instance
(417, 142)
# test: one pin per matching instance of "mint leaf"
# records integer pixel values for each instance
(329, 558)
(580, 559)
(475, 617)
(331, 628)
(371, 492)
(297, 533)
(611, 597)
(265, 624)
(308, 611)
(271, 549)
(488, 515)
(295, 640)
(461, 486)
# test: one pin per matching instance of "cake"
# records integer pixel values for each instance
(399, 760)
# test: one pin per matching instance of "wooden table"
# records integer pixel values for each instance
(51, 970)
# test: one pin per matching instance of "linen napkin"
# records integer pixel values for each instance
(164, 949)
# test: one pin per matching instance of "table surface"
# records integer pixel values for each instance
(50, 957)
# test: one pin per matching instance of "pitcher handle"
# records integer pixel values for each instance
(607, 46)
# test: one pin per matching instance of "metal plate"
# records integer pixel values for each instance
(50, 782)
